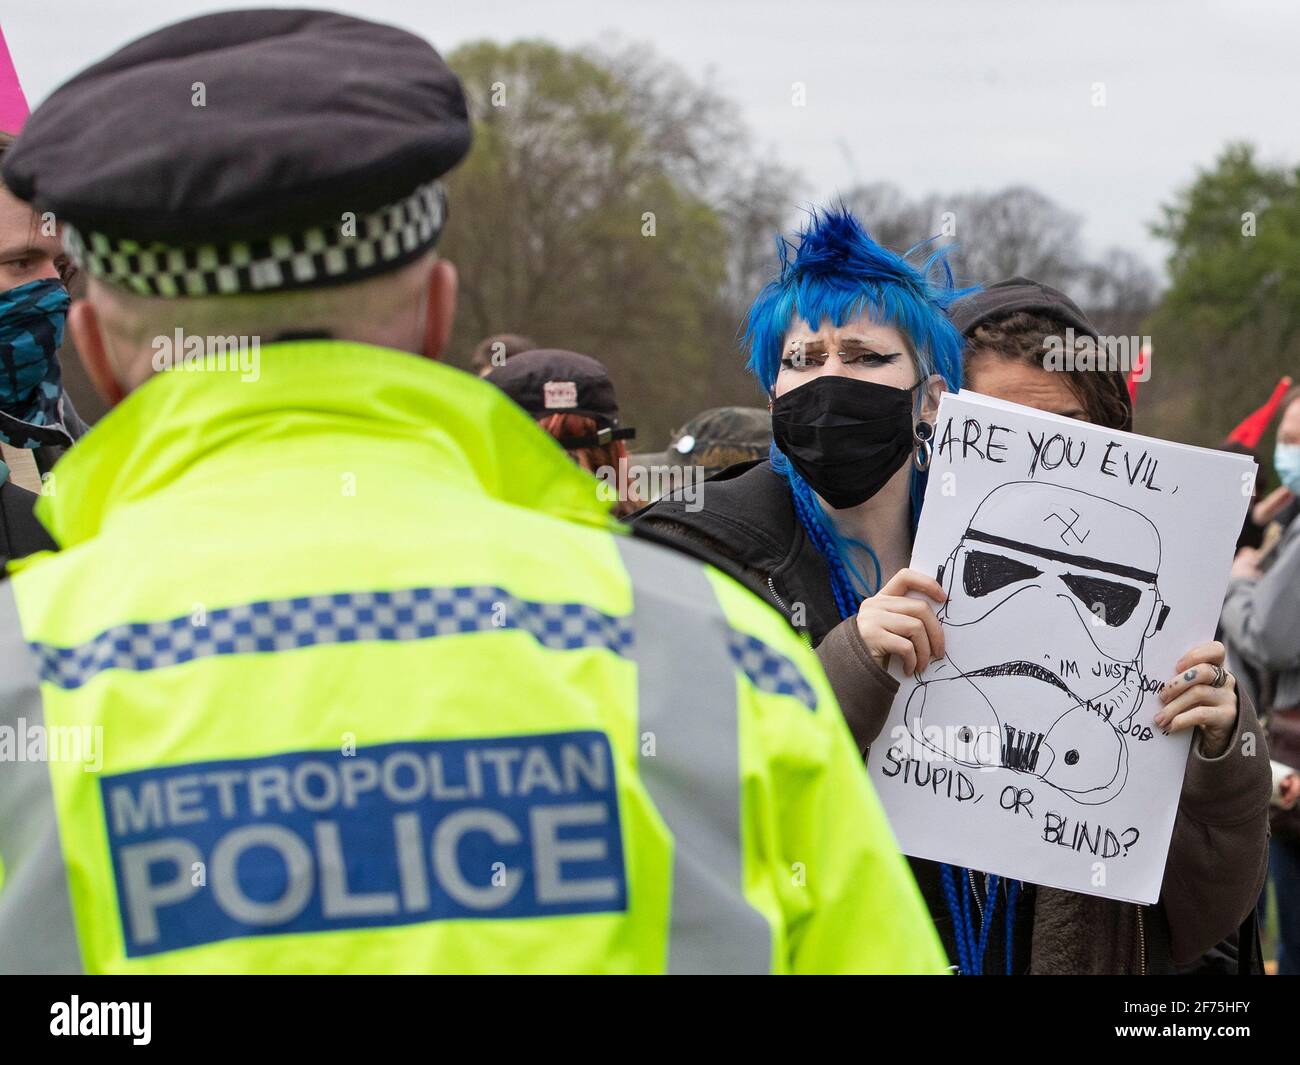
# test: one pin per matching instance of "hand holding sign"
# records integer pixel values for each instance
(893, 623)
(1066, 594)
(1191, 699)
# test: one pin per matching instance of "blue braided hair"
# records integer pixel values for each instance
(837, 272)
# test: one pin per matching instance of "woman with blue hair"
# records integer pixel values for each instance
(853, 347)
(852, 344)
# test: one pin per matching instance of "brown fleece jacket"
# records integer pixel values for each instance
(1218, 855)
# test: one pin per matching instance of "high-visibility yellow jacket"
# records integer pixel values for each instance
(346, 668)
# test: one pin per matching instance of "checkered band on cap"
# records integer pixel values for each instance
(347, 250)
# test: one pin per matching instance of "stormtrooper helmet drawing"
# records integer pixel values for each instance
(1062, 588)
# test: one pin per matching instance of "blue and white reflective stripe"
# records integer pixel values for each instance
(272, 625)
(342, 617)
(686, 700)
(768, 670)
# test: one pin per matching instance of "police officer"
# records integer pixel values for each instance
(37, 419)
(352, 647)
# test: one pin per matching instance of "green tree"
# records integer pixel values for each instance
(1226, 329)
(608, 206)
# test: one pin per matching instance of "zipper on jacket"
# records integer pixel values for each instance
(1142, 945)
(804, 632)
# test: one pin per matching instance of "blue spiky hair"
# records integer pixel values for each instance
(837, 272)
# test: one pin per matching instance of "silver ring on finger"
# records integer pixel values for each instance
(1220, 677)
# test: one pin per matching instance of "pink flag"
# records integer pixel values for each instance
(13, 104)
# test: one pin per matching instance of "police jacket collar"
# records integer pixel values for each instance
(311, 404)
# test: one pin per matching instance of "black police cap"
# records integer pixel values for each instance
(239, 145)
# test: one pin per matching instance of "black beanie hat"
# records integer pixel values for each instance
(1019, 294)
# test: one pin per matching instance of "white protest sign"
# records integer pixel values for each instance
(1080, 564)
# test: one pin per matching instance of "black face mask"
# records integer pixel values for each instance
(846, 437)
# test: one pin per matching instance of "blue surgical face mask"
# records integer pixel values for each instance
(1286, 460)
(31, 329)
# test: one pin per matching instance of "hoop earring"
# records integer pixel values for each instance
(922, 432)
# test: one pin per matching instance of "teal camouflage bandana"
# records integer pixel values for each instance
(31, 329)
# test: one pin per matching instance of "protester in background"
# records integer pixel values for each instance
(1243, 440)
(34, 412)
(1262, 527)
(1276, 510)
(1258, 526)
(721, 437)
(1284, 869)
(1008, 327)
(709, 443)
(1261, 622)
(1217, 851)
(857, 333)
(495, 351)
(572, 398)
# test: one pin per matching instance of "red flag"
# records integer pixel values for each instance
(1139, 371)
(1255, 425)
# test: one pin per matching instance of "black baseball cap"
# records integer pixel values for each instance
(550, 381)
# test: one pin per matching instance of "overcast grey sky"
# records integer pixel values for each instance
(940, 96)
